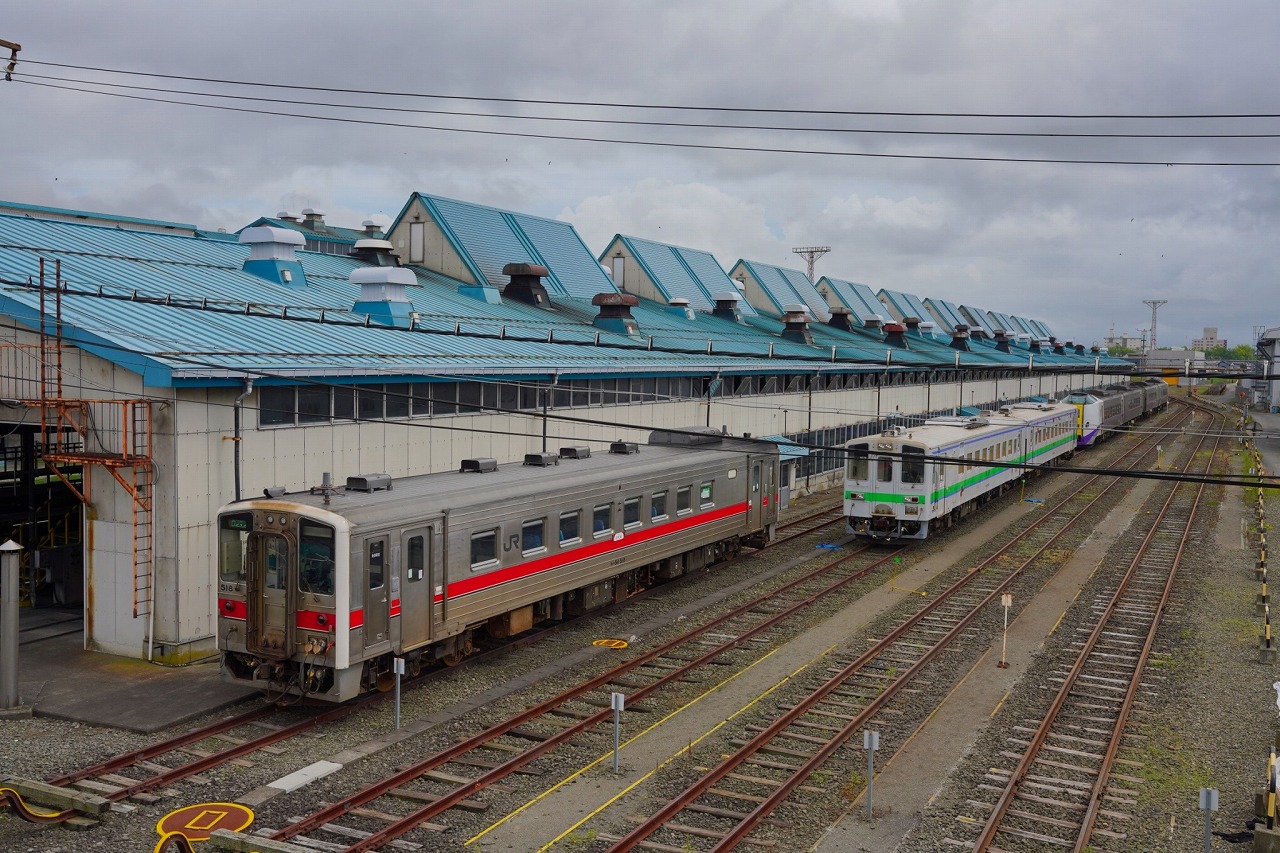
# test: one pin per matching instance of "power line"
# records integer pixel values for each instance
(641, 106)
(869, 131)
(651, 143)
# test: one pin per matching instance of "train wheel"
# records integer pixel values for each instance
(462, 648)
(415, 666)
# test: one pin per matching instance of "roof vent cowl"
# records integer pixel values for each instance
(796, 318)
(960, 338)
(526, 284)
(383, 295)
(679, 306)
(271, 255)
(1002, 341)
(380, 253)
(727, 306)
(615, 312)
(895, 335)
(840, 319)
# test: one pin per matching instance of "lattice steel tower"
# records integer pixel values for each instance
(811, 254)
(1155, 306)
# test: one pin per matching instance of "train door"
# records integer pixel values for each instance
(755, 498)
(419, 575)
(376, 599)
(270, 594)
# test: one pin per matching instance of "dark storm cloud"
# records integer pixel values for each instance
(1078, 245)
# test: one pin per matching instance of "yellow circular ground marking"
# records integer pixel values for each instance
(611, 643)
(198, 822)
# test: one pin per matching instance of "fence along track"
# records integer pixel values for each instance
(857, 692)
(1062, 778)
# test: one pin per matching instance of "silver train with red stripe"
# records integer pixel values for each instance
(319, 592)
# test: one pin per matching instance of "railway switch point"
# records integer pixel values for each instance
(226, 839)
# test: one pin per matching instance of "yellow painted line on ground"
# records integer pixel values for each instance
(1000, 704)
(609, 755)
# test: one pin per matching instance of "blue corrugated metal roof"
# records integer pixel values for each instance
(904, 304)
(785, 287)
(977, 317)
(679, 272)
(858, 298)
(488, 239)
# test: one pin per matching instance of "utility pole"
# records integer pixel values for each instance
(811, 255)
(1155, 306)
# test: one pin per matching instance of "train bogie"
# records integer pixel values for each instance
(319, 592)
(908, 481)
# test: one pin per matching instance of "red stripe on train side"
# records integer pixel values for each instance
(529, 568)
(232, 609)
(395, 607)
(312, 620)
(357, 619)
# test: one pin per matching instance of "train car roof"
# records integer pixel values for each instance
(952, 429)
(429, 494)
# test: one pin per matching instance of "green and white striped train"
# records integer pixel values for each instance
(910, 480)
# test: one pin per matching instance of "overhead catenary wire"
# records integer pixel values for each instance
(666, 144)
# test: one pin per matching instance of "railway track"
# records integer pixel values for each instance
(134, 775)
(727, 804)
(1062, 792)
(453, 777)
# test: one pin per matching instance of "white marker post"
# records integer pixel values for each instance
(871, 741)
(397, 666)
(1209, 804)
(1006, 601)
(618, 702)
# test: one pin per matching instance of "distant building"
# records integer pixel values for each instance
(1124, 339)
(1175, 361)
(1209, 341)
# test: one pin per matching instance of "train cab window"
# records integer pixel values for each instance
(315, 558)
(602, 519)
(233, 541)
(884, 469)
(858, 462)
(416, 559)
(658, 506)
(377, 565)
(484, 548)
(705, 496)
(631, 512)
(531, 538)
(684, 501)
(275, 562)
(570, 527)
(912, 465)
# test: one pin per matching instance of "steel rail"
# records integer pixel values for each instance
(778, 795)
(446, 801)
(993, 825)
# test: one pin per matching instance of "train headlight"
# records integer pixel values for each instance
(857, 496)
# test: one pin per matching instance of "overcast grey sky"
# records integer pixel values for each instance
(1078, 245)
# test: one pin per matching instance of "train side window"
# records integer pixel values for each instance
(884, 469)
(315, 555)
(484, 548)
(858, 462)
(602, 519)
(912, 465)
(684, 502)
(531, 538)
(570, 527)
(705, 496)
(416, 561)
(658, 506)
(377, 568)
(631, 512)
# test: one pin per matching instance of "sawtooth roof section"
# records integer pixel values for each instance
(903, 304)
(858, 298)
(787, 287)
(946, 313)
(320, 231)
(977, 317)
(488, 239)
(680, 273)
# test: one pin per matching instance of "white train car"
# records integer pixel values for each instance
(909, 480)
